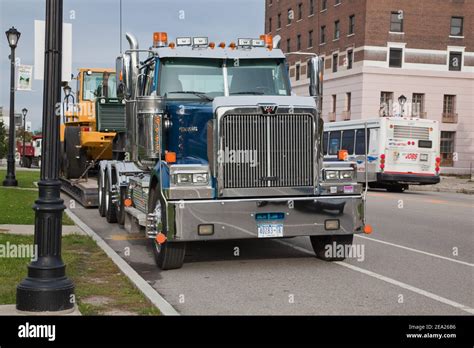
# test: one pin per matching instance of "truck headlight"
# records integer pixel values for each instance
(189, 175)
(332, 174)
(346, 174)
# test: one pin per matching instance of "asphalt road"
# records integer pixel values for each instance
(419, 260)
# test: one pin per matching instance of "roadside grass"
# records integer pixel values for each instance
(26, 178)
(100, 287)
(16, 207)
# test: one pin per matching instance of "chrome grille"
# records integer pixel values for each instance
(282, 146)
(410, 132)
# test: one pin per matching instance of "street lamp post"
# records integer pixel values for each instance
(47, 288)
(13, 36)
(24, 112)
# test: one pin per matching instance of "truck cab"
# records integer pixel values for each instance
(217, 148)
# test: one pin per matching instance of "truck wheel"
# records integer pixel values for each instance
(28, 162)
(75, 156)
(101, 194)
(121, 206)
(320, 246)
(169, 255)
(110, 209)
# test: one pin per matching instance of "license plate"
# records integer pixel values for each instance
(270, 230)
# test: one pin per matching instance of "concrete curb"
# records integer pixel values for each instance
(464, 191)
(151, 294)
(9, 310)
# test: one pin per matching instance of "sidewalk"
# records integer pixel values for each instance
(448, 184)
(30, 230)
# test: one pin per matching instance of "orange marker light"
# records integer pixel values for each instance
(232, 45)
(342, 155)
(160, 238)
(367, 229)
(268, 39)
(127, 202)
(212, 45)
(172, 45)
(160, 39)
(222, 45)
(170, 157)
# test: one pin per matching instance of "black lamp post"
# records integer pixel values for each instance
(46, 288)
(402, 100)
(13, 36)
(24, 112)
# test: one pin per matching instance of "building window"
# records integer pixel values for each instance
(298, 42)
(334, 103)
(300, 11)
(455, 61)
(337, 2)
(386, 102)
(297, 72)
(310, 39)
(323, 35)
(351, 24)
(269, 24)
(418, 104)
(457, 26)
(279, 21)
(449, 104)
(288, 45)
(335, 57)
(311, 7)
(395, 60)
(396, 22)
(348, 101)
(350, 59)
(337, 30)
(290, 16)
(324, 5)
(447, 148)
(270, 2)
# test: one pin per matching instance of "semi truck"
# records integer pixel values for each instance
(217, 147)
(32, 152)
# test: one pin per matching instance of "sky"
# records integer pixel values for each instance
(96, 32)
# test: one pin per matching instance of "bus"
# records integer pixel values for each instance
(401, 151)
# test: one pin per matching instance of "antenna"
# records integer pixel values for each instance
(120, 26)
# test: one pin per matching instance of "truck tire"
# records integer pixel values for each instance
(121, 206)
(75, 159)
(101, 194)
(169, 255)
(397, 188)
(110, 209)
(319, 244)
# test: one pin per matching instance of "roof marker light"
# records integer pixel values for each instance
(160, 39)
(222, 45)
(212, 45)
(268, 39)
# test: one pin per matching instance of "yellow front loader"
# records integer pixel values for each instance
(84, 141)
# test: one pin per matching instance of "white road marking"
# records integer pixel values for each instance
(416, 250)
(390, 281)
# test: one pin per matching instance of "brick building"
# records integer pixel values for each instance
(376, 51)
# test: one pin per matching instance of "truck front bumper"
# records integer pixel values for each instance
(237, 218)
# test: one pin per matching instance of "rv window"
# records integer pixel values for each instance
(325, 143)
(348, 141)
(360, 141)
(334, 142)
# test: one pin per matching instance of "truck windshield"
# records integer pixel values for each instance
(204, 78)
(257, 77)
(99, 84)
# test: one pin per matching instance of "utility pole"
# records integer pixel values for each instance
(46, 288)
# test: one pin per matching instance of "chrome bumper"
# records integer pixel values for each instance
(236, 218)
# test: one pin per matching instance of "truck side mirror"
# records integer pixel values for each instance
(316, 69)
(123, 70)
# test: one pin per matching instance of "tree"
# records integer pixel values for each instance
(3, 140)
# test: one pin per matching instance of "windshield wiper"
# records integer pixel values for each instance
(250, 92)
(201, 95)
